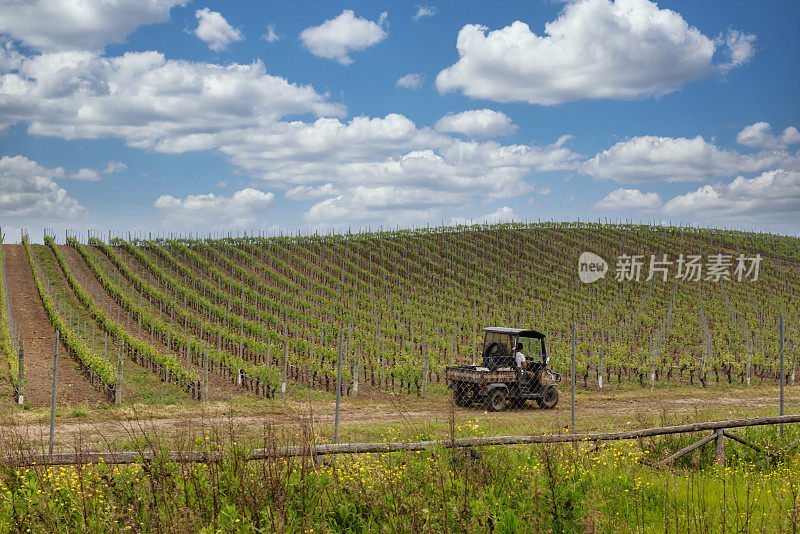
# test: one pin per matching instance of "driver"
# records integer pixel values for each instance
(522, 364)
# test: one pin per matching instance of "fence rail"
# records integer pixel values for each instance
(129, 457)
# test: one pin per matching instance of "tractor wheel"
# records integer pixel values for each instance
(461, 395)
(496, 401)
(549, 398)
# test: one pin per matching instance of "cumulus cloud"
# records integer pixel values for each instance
(147, 100)
(773, 196)
(426, 184)
(28, 191)
(424, 12)
(336, 38)
(629, 199)
(595, 49)
(214, 30)
(477, 123)
(651, 158)
(270, 36)
(500, 215)
(758, 135)
(58, 25)
(411, 81)
(244, 208)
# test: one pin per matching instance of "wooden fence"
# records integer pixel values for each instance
(313, 450)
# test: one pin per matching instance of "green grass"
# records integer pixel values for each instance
(494, 489)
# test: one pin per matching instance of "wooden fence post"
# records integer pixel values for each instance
(719, 446)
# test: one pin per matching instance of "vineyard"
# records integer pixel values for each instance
(214, 318)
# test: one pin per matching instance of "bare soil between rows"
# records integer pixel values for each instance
(38, 338)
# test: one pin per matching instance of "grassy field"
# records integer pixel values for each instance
(549, 488)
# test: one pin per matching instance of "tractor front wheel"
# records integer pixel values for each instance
(496, 400)
(549, 398)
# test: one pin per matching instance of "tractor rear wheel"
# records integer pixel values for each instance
(496, 400)
(549, 398)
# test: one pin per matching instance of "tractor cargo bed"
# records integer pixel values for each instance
(474, 374)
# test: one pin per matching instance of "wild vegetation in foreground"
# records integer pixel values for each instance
(549, 488)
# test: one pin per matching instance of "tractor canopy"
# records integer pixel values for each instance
(499, 345)
(514, 331)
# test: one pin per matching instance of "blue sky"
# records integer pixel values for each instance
(208, 116)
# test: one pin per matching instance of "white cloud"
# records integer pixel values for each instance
(773, 196)
(427, 184)
(500, 215)
(58, 25)
(650, 158)
(739, 47)
(629, 199)
(215, 30)
(595, 49)
(411, 81)
(88, 175)
(306, 192)
(151, 102)
(114, 166)
(336, 38)
(758, 135)
(27, 190)
(270, 36)
(477, 123)
(380, 150)
(424, 11)
(245, 208)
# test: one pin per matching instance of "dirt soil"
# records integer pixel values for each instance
(38, 336)
(363, 419)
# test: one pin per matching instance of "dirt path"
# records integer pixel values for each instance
(368, 419)
(39, 339)
(219, 388)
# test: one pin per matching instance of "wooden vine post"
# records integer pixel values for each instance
(285, 358)
(205, 375)
(21, 375)
(118, 385)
